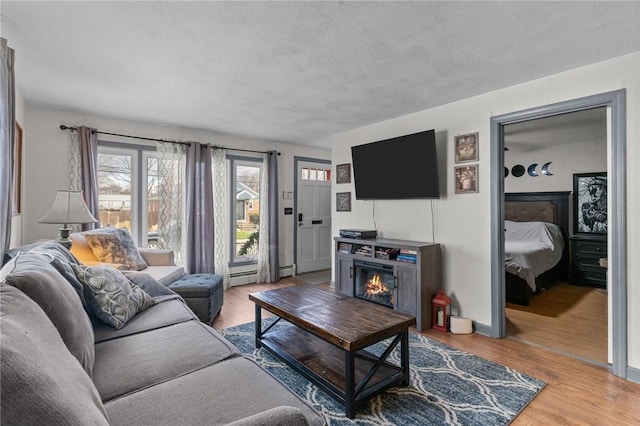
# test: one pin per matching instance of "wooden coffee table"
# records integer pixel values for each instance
(327, 344)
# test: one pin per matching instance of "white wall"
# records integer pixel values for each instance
(16, 221)
(462, 222)
(566, 160)
(47, 159)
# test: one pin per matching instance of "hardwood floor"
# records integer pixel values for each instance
(566, 318)
(577, 392)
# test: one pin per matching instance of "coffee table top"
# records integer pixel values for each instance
(344, 321)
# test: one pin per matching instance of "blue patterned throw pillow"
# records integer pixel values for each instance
(111, 296)
(116, 247)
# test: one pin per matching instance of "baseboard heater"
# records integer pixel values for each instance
(248, 277)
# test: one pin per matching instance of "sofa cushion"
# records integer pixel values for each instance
(227, 391)
(157, 257)
(148, 283)
(279, 416)
(62, 260)
(156, 356)
(171, 310)
(165, 274)
(40, 381)
(114, 299)
(117, 248)
(10, 254)
(37, 278)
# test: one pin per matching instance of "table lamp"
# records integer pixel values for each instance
(68, 207)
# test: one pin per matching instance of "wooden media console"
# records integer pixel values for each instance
(415, 269)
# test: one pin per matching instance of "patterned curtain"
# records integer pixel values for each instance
(221, 250)
(171, 168)
(7, 137)
(75, 174)
(263, 275)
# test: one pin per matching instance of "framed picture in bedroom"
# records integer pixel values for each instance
(466, 179)
(590, 203)
(466, 148)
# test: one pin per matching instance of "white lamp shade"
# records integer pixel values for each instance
(68, 207)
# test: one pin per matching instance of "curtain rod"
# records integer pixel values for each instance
(74, 129)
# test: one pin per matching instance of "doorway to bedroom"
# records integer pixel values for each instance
(549, 302)
(616, 290)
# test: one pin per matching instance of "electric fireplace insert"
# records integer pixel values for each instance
(375, 282)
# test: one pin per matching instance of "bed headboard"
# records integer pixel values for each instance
(551, 207)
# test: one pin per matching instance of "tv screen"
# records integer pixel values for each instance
(399, 168)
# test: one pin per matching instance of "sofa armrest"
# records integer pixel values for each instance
(278, 416)
(157, 257)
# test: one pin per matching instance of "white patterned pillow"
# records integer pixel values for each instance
(112, 297)
(117, 248)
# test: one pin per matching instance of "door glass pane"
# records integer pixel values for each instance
(313, 174)
(114, 190)
(305, 174)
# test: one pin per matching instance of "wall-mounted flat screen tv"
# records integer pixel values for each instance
(399, 168)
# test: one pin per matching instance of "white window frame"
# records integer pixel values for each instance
(233, 163)
(139, 175)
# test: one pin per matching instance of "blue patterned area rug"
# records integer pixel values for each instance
(447, 386)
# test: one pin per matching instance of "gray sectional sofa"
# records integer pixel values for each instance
(62, 365)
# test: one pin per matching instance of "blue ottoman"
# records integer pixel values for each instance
(203, 294)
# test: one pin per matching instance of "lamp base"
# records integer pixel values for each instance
(63, 238)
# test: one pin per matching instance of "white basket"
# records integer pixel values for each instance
(461, 325)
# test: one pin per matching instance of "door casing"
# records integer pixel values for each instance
(617, 271)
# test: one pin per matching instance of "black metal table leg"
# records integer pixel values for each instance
(350, 379)
(404, 357)
(258, 325)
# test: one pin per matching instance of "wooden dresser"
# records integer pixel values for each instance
(586, 252)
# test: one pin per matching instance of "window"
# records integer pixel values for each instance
(128, 190)
(315, 174)
(245, 204)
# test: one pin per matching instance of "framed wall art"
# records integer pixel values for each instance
(466, 148)
(343, 201)
(343, 173)
(590, 203)
(466, 179)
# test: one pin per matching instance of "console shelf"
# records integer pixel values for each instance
(417, 271)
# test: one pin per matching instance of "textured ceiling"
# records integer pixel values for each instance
(297, 72)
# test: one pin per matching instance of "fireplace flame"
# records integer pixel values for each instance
(376, 286)
(376, 290)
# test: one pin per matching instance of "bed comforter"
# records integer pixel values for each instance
(532, 248)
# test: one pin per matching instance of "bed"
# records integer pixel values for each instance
(536, 242)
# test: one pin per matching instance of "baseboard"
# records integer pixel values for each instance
(633, 374)
(485, 330)
(250, 277)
